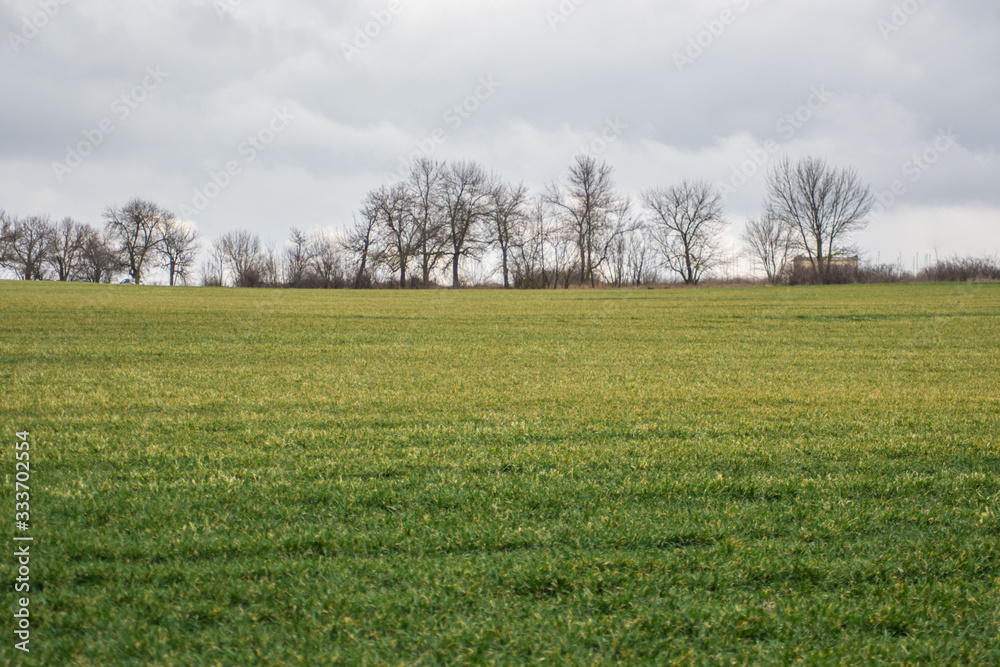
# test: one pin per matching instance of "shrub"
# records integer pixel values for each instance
(962, 269)
(883, 273)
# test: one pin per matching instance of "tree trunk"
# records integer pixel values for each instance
(506, 271)
(821, 271)
(361, 269)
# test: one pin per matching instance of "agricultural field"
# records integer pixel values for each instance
(715, 476)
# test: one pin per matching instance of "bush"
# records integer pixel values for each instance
(959, 269)
(883, 273)
(962, 270)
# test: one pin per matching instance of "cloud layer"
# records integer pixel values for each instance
(163, 98)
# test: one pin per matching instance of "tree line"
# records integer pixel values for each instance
(427, 227)
(430, 226)
(136, 236)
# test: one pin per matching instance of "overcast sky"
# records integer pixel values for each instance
(296, 109)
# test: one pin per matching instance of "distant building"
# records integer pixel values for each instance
(801, 263)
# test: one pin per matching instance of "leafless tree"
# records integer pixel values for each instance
(546, 258)
(299, 255)
(507, 221)
(27, 246)
(821, 205)
(328, 263)
(629, 256)
(611, 242)
(270, 266)
(586, 201)
(360, 244)
(639, 257)
(528, 255)
(687, 222)
(562, 258)
(466, 203)
(66, 253)
(213, 272)
(138, 228)
(397, 233)
(6, 237)
(242, 256)
(99, 259)
(178, 250)
(616, 268)
(769, 243)
(425, 184)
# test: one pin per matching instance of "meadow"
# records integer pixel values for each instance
(712, 476)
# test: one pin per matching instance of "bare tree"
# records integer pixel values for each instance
(27, 246)
(561, 257)
(138, 229)
(99, 259)
(528, 254)
(66, 253)
(178, 250)
(6, 237)
(629, 255)
(822, 207)
(242, 256)
(425, 184)
(466, 202)
(213, 272)
(270, 266)
(586, 202)
(546, 256)
(610, 242)
(687, 222)
(507, 220)
(769, 243)
(392, 208)
(360, 243)
(639, 257)
(299, 254)
(328, 263)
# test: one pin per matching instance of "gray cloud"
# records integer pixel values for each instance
(702, 88)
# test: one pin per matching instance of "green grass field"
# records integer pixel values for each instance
(717, 476)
